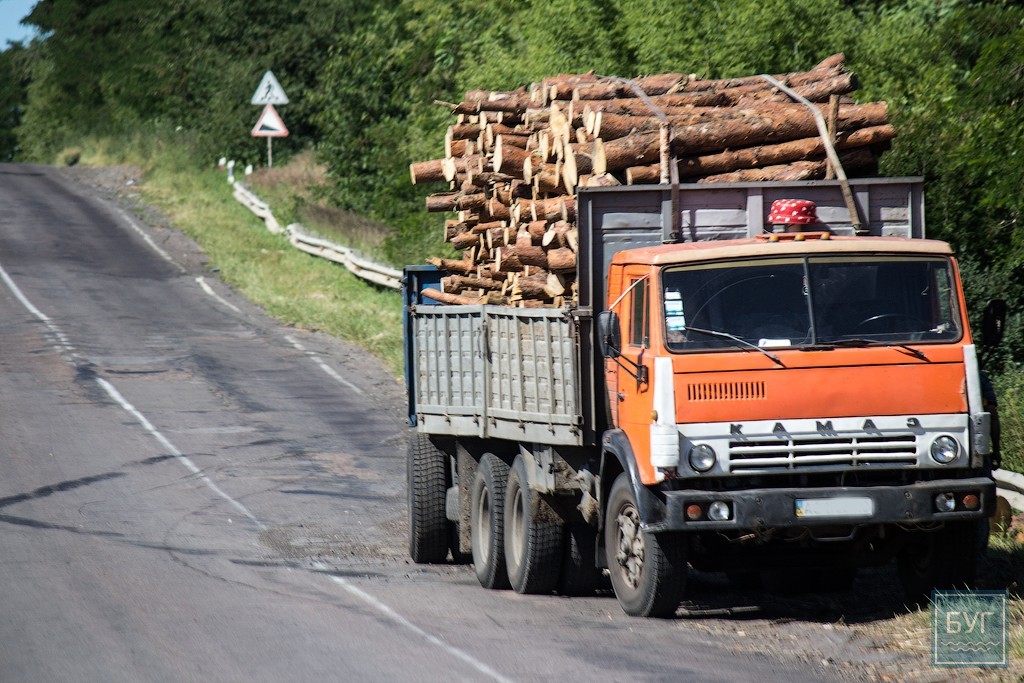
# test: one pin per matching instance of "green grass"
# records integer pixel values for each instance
(1010, 391)
(299, 289)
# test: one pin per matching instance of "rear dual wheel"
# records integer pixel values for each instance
(487, 523)
(428, 476)
(534, 535)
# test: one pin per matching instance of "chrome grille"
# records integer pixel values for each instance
(795, 452)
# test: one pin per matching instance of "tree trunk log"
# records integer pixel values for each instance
(763, 155)
(453, 265)
(458, 283)
(452, 299)
(798, 170)
(466, 240)
(770, 126)
(508, 159)
(427, 172)
(561, 260)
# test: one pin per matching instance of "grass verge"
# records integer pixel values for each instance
(297, 288)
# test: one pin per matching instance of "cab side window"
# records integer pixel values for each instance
(639, 329)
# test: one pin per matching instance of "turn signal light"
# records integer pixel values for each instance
(694, 512)
(971, 501)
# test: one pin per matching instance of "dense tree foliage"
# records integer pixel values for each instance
(362, 76)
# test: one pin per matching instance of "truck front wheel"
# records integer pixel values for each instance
(487, 500)
(939, 560)
(427, 475)
(533, 535)
(648, 571)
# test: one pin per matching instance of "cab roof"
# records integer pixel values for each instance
(759, 247)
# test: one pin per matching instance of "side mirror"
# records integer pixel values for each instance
(608, 336)
(993, 322)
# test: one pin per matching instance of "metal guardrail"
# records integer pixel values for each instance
(300, 239)
(1011, 487)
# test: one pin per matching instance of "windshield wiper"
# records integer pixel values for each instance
(859, 343)
(742, 342)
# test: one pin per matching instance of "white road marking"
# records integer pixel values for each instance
(149, 240)
(65, 346)
(173, 450)
(209, 290)
(331, 372)
(405, 623)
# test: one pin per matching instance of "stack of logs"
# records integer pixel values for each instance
(514, 161)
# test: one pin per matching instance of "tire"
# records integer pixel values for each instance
(487, 525)
(939, 560)
(648, 571)
(427, 478)
(534, 535)
(580, 575)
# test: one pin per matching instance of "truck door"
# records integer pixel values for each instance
(632, 395)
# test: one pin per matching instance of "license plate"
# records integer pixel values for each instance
(848, 506)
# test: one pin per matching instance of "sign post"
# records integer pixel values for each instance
(270, 125)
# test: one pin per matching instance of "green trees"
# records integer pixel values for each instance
(362, 76)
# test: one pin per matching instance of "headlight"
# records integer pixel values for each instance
(702, 457)
(945, 449)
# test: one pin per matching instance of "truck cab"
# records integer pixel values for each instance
(806, 402)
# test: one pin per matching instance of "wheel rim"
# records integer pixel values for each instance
(482, 530)
(629, 543)
(518, 526)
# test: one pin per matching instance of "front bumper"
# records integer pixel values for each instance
(777, 508)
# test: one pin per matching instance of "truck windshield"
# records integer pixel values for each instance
(811, 301)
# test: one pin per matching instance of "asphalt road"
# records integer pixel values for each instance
(190, 491)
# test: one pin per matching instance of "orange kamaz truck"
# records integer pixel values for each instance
(734, 392)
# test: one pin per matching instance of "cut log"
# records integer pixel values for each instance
(508, 160)
(537, 230)
(602, 180)
(505, 261)
(489, 225)
(464, 131)
(763, 155)
(459, 148)
(486, 179)
(427, 172)
(555, 236)
(442, 201)
(461, 282)
(453, 265)
(533, 286)
(770, 126)
(561, 260)
(526, 255)
(466, 240)
(548, 178)
(497, 211)
(453, 299)
(798, 170)
(556, 284)
(452, 166)
(579, 160)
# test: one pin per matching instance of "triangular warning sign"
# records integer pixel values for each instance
(269, 91)
(270, 124)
